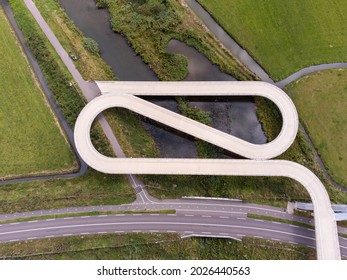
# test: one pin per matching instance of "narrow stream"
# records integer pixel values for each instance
(234, 116)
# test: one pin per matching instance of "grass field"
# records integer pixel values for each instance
(154, 246)
(93, 188)
(285, 36)
(31, 141)
(322, 108)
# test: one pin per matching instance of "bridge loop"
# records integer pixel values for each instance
(123, 94)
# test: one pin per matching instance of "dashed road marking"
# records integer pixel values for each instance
(85, 217)
(49, 236)
(32, 221)
(206, 232)
(223, 217)
(68, 218)
(277, 223)
(189, 215)
(206, 216)
(14, 240)
(12, 224)
(31, 238)
(48, 220)
(67, 234)
(102, 232)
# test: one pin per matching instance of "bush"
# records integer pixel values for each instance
(91, 45)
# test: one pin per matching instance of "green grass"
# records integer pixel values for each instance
(322, 108)
(150, 25)
(81, 214)
(285, 36)
(150, 246)
(93, 188)
(283, 221)
(31, 140)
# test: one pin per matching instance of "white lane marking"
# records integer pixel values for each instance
(12, 224)
(293, 242)
(294, 226)
(171, 231)
(172, 215)
(32, 221)
(275, 239)
(223, 217)
(49, 236)
(119, 231)
(187, 231)
(206, 216)
(137, 214)
(154, 214)
(241, 235)
(102, 232)
(256, 236)
(31, 238)
(259, 220)
(85, 233)
(157, 223)
(85, 217)
(67, 234)
(206, 232)
(241, 218)
(154, 231)
(189, 215)
(102, 216)
(277, 223)
(120, 215)
(68, 218)
(137, 231)
(14, 240)
(48, 220)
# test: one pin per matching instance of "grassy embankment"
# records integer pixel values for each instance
(150, 43)
(322, 108)
(151, 246)
(93, 188)
(285, 36)
(31, 140)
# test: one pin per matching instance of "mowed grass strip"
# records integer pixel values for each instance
(322, 108)
(30, 139)
(152, 246)
(285, 36)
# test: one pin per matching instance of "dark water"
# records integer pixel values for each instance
(234, 116)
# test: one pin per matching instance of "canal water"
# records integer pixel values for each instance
(236, 116)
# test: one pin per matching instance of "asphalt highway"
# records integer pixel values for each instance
(185, 223)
